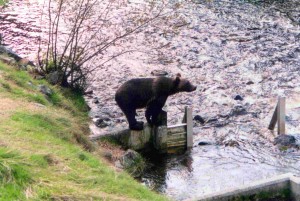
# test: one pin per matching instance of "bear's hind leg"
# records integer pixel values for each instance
(133, 124)
(138, 126)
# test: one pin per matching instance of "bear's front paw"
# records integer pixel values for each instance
(138, 126)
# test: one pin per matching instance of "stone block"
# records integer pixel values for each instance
(139, 139)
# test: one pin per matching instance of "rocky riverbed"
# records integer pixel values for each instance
(242, 56)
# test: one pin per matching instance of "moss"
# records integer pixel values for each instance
(283, 148)
(281, 195)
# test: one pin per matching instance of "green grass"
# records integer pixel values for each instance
(3, 2)
(14, 175)
(44, 150)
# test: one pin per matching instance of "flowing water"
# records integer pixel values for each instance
(227, 48)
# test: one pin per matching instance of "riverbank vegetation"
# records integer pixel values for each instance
(44, 152)
(78, 45)
(3, 2)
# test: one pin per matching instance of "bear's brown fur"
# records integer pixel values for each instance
(151, 93)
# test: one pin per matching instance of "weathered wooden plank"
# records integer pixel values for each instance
(274, 119)
(177, 136)
(179, 144)
(175, 146)
(281, 116)
(176, 150)
(177, 125)
(176, 141)
(189, 129)
(177, 129)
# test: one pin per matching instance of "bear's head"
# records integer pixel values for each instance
(183, 85)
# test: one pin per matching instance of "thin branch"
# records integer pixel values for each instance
(120, 37)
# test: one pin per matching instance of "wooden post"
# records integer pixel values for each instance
(274, 119)
(281, 115)
(188, 119)
(161, 139)
(159, 133)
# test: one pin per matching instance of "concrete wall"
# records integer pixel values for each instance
(274, 184)
(295, 187)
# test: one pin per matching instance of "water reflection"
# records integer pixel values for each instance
(212, 168)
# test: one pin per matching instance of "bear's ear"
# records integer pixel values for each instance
(176, 81)
(178, 75)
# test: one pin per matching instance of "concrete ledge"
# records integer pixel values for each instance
(295, 187)
(275, 184)
(115, 135)
(132, 139)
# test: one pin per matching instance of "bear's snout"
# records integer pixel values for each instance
(193, 88)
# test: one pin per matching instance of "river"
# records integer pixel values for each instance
(227, 48)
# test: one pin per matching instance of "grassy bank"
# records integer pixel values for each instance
(44, 150)
(2, 2)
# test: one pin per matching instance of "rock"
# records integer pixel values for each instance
(31, 69)
(196, 66)
(212, 120)
(133, 163)
(231, 143)
(25, 63)
(159, 73)
(198, 118)
(249, 82)
(96, 100)
(31, 84)
(118, 164)
(221, 123)
(54, 77)
(101, 123)
(129, 157)
(238, 97)
(120, 120)
(195, 50)
(203, 143)
(238, 110)
(285, 140)
(10, 53)
(224, 115)
(108, 155)
(39, 105)
(8, 60)
(45, 90)
(88, 92)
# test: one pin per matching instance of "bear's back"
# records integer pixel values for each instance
(136, 92)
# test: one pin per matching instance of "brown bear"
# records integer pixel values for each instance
(151, 93)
